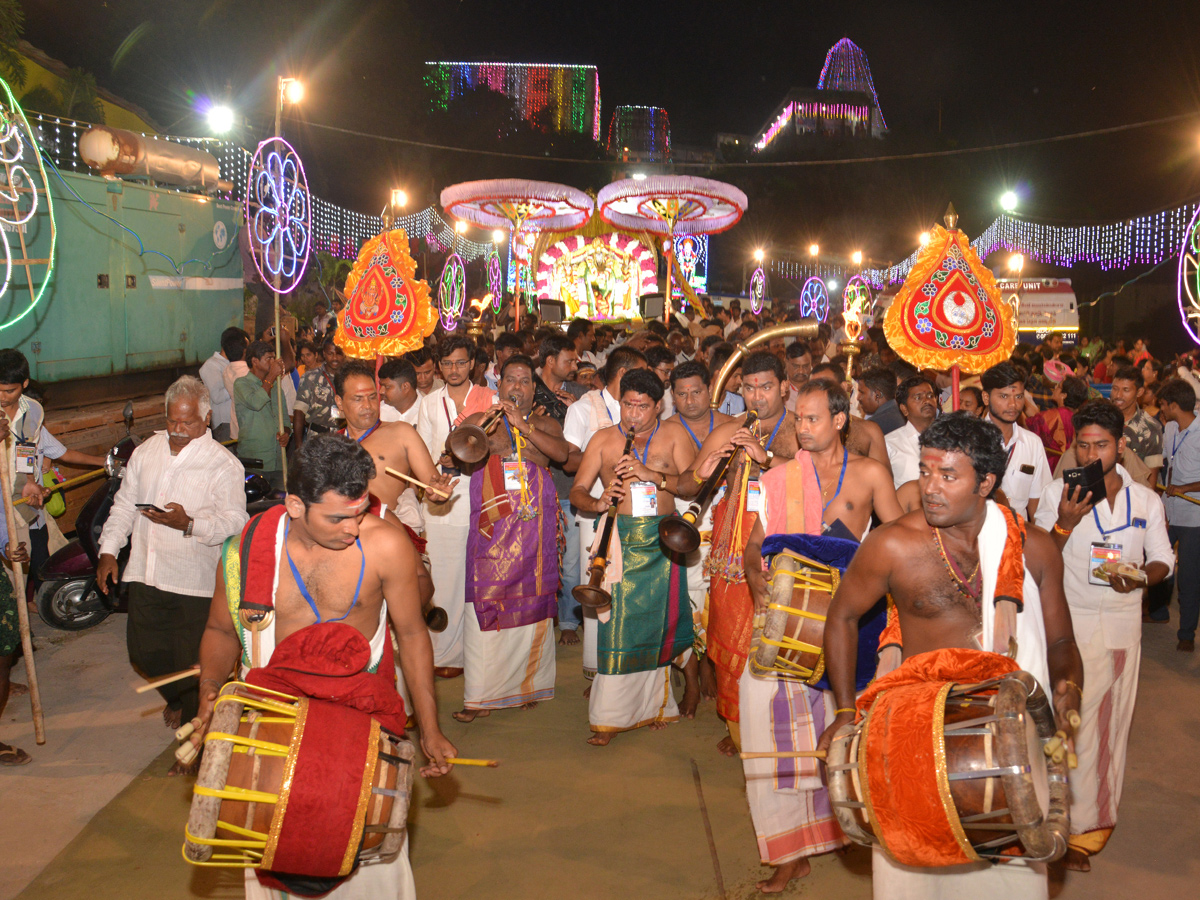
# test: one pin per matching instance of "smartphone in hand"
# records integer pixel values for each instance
(150, 506)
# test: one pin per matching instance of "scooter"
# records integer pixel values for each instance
(68, 598)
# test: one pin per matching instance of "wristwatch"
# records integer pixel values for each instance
(187, 532)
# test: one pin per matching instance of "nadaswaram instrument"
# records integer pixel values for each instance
(591, 594)
(679, 532)
(964, 762)
(469, 443)
(298, 786)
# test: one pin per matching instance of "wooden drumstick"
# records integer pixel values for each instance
(1073, 719)
(167, 679)
(487, 763)
(186, 752)
(414, 481)
(785, 754)
(185, 731)
(1163, 490)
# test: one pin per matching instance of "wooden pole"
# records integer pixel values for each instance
(667, 294)
(18, 581)
(785, 754)
(954, 377)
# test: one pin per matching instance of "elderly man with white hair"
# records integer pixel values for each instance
(181, 495)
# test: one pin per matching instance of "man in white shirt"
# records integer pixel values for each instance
(918, 404)
(398, 385)
(181, 495)
(586, 416)
(1027, 472)
(212, 372)
(735, 318)
(1181, 446)
(447, 522)
(321, 319)
(1127, 528)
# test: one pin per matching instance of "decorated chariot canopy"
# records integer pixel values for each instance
(671, 205)
(388, 311)
(597, 271)
(949, 312)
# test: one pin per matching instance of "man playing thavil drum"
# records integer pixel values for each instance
(771, 441)
(512, 555)
(964, 573)
(311, 550)
(830, 493)
(650, 623)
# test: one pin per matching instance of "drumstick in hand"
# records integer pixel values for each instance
(785, 754)
(167, 679)
(414, 481)
(488, 763)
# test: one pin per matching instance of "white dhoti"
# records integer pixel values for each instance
(509, 667)
(376, 881)
(587, 536)
(447, 549)
(1016, 880)
(789, 803)
(1110, 680)
(625, 702)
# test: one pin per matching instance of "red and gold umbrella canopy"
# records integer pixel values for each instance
(949, 311)
(388, 310)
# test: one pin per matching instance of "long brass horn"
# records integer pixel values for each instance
(679, 532)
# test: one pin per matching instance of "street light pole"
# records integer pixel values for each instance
(279, 95)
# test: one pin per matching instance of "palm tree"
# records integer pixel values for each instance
(12, 25)
(76, 98)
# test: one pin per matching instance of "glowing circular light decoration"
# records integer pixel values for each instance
(1189, 279)
(758, 290)
(279, 214)
(495, 280)
(452, 291)
(814, 299)
(27, 210)
(856, 296)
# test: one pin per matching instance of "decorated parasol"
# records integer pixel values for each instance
(517, 204)
(279, 219)
(388, 310)
(949, 314)
(671, 205)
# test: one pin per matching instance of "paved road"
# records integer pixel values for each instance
(559, 817)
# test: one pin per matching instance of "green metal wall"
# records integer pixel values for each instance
(148, 316)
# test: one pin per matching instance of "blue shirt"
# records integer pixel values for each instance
(1181, 452)
(734, 405)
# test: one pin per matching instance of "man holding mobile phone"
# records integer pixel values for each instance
(181, 495)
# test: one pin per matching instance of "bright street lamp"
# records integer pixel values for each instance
(758, 254)
(220, 119)
(831, 284)
(639, 176)
(497, 236)
(291, 90)
(460, 227)
(924, 238)
(856, 257)
(399, 197)
(1016, 262)
(813, 249)
(1008, 201)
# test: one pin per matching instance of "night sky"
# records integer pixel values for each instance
(997, 72)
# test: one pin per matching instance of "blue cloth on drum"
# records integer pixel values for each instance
(836, 553)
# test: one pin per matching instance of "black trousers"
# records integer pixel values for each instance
(163, 634)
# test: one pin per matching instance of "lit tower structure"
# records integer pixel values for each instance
(559, 98)
(843, 105)
(639, 134)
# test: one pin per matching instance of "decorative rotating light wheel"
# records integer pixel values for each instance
(517, 203)
(758, 290)
(279, 214)
(26, 212)
(671, 205)
(1189, 279)
(814, 299)
(452, 291)
(495, 279)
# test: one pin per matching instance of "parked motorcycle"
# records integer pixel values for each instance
(68, 598)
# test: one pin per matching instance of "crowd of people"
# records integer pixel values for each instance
(588, 421)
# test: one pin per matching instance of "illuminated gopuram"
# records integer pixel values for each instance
(639, 133)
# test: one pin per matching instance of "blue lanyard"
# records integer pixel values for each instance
(1178, 442)
(304, 591)
(362, 437)
(646, 450)
(1128, 518)
(767, 445)
(692, 433)
(845, 459)
(607, 411)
